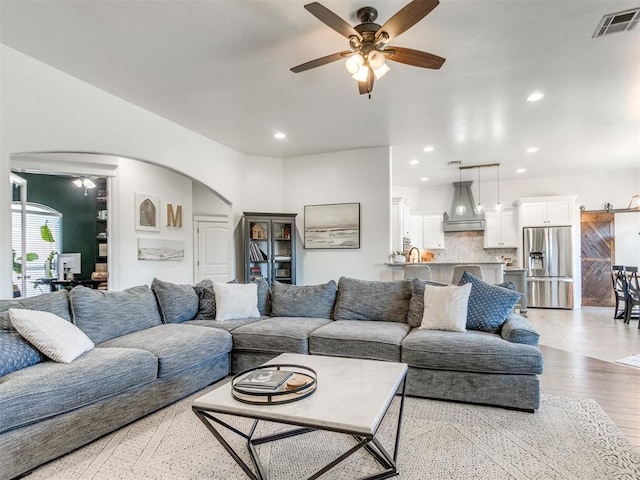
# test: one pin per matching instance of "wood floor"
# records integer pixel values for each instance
(580, 348)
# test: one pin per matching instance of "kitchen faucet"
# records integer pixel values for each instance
(411, 251)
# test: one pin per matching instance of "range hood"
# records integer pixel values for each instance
(470, 220)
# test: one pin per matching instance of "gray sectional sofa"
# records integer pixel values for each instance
(156, 345)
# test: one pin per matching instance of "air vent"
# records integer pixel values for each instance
(454, 162)
(618, 22)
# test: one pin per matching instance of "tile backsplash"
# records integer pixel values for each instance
(469, 247)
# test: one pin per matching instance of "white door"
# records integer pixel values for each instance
(212, 250)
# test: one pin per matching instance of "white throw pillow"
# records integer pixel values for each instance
(55, 337)
(236, 300)
(445, 308)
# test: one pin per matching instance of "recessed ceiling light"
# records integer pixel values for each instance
(535, 96)
(521, 170)
(414, 162)
(424, 179)
(429, 148)
(279, 136)
(532, 149)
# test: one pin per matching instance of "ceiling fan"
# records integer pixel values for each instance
(368, 50)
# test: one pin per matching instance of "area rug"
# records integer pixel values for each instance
(566, 438)
(633, 360)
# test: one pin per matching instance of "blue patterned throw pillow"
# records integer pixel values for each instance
(16, 353)
(489, 304)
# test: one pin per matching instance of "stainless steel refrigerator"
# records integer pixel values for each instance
(548, 259)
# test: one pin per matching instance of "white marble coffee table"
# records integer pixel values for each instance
(352, 397)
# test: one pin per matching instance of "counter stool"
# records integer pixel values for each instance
(423, 272)
(459, 270)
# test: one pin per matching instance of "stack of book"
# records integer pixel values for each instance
(266, 380)
(255, 253)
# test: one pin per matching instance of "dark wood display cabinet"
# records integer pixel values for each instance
(269, 247)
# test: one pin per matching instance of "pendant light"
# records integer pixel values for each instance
(479, 208)
(460, 209)
(498, 204)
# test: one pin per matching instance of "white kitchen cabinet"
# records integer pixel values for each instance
(415, 232)
(432, 233)
(501, 229)
(400, 223)
(547, 213)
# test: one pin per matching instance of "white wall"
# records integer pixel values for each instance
(342, 177)
(44, 109)
(627, 238)
(139, 177)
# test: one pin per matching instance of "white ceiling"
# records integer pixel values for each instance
(221, 68)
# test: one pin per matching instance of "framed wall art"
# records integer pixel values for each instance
(160, 249)
(332, 226)
(147, 212)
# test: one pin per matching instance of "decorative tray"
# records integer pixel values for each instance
(274, 384)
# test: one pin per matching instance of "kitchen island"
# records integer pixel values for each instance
(492, 272)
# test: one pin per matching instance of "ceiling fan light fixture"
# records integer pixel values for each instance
(379, 72)
(362, 75)
(353, 63)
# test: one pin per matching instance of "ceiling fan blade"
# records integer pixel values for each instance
(415, 57)
(318, 62)
(332, 20)
(407, 17)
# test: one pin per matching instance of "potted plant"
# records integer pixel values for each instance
(47, 236)
(17, 268)
(398, 257)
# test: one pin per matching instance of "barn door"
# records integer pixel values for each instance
(597, 256)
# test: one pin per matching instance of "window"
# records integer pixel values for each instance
(37, 216)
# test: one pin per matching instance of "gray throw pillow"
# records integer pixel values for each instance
(206, 301)
(177, 303)
(313, 301)
(373, 300)
(104, 314)
(16, 353)
(55, 302)
(416, 304)
(264, 297)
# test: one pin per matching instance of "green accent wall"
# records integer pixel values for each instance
(78, 214)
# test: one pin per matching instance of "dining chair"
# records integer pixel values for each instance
(459, 270)
(423, 272)
(619, 283)
(632, 309)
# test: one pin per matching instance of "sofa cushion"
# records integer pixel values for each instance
(49, 388)
(178, 347)
(489, 304)
(372, 300)
(236, 300)
(369, 339)
(16, 353)
(227, 325)
(445, 308)
(55, 302)
(277, 335)
(176, 303)
(58, 339)
(315, 301)
(471, 351)
(104, 315)
(416, 304)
